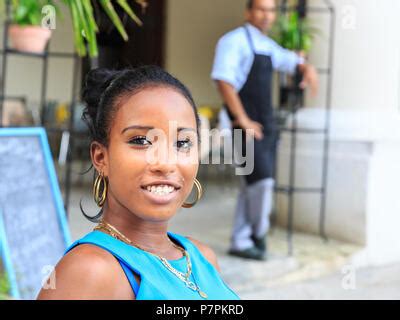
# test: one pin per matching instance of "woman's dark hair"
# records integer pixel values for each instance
(104, 90)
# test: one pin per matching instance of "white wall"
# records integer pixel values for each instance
(193, 29)
(367, 52)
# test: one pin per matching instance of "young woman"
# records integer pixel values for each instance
(145, 141)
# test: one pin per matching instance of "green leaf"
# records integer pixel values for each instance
(4, 285)
(124, 5)
(90, 15)
(82, 18)
(79, 42)
(293, 33)
(28, 12)
(93, 29)
(112, 14)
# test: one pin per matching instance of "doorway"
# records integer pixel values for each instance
(145, 45)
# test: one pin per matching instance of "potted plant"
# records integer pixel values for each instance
(27, 34)
(25, 31)
(296, 34)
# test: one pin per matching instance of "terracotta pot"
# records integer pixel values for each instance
(29, 38)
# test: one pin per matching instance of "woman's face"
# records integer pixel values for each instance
(152, 156)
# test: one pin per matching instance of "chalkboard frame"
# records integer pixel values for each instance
(40, 133)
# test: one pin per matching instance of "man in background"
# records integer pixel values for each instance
(244, 62)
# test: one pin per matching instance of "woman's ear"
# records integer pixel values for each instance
(98, 153)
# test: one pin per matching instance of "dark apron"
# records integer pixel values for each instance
(256, 97)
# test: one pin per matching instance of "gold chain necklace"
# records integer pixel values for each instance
(112, 231)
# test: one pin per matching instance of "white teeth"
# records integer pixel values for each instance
(160, 189)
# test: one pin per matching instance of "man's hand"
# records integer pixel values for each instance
(234, 104)
(310, 78)
(252, 128)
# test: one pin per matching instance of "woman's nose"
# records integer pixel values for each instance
(162, 159)
(161, 171)
(162, 167)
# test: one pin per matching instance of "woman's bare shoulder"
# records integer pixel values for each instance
(207, 252)
(87, 272)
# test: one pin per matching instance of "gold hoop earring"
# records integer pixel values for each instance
(100, 190)
(198, 196)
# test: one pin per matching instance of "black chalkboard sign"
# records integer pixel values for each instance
(33, 228)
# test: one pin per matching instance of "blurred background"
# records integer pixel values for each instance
(337, 211)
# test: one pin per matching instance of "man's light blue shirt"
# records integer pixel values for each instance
(234, 56)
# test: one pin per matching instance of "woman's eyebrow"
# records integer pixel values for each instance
(137, 127)
(150, 128)
(186, 129)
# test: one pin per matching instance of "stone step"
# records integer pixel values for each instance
(313, 258)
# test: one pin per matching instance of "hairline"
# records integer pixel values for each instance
(123, 98)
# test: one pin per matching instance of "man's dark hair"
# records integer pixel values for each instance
(250, 4)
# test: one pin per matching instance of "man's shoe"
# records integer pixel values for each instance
(251, 253)
(260, 243)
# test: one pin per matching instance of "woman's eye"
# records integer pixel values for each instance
(141, 141)
(184, 144)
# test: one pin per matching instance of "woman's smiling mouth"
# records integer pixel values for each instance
(161, 192)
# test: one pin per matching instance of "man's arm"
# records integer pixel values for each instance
(287, 61)
(310, 78)
(235, 106)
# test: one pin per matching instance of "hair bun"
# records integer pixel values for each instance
(96, 83)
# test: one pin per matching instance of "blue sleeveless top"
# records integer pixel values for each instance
(156, 281)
